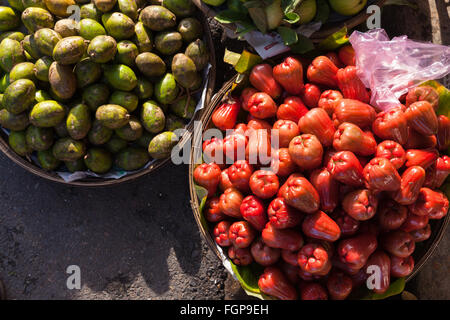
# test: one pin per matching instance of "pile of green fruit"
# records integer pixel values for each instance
(105, 88)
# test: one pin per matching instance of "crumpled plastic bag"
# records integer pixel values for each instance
(391, 67)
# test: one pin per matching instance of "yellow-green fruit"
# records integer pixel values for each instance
(198, 52)
(150, 64)
(118, 25)
(161, 145)
(120, 77)
(62, 80)
(105, 5)
(69, 50)
(29, 46)
(184, 70)
(67, 28)
(19, 96)
(102, 49)
(76, 165)
(14, 35)
(168, 42)
(274, 14)
(96, 95)
(42, 67)
(11, 53)
(39, 139)
(181, 8)
(143, 37)
(78, 121)
(99, 134)
(18, 143)
(14, 122)
(41, 96)
(190, 29)
(157, 18)
(144, 88)
(129, 8)
(132, 158)
(23, 70)
(34, 3)
(16, 4)
(46, 40)
(166, 89)
(4, 82)
(98, 160)
(152, 117)
(47, 114)
(67, 149)
(37, 18)
(90, 11)
(184, 107)
(90, 28)
(115, 144)
(59, 7)
(131, 131)
(47, 160)
(112, 116)
(125, 99)
(127, 52)
(87, 72)
(307, 11)
(8, 19)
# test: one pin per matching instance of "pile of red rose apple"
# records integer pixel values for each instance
(352, 189)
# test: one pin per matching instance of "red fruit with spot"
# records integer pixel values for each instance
(355, 251)
(263, 254)
(414, 222)
(288, 239)
(264, 184)
(422, 118)
(346, 223)
(225, 116)
(261, 77)
(381, 175)
(240, 256)
(350, 84)
(328, 100)
(392, 151)
(292, 109)
(213, 151)
(398, 243)
(306, 151)
(262, 106)
(323, 71)
(230, 202)
(310, 95)
(246, 94)
(345, 167)
(430, 203)
(289, 74)
(221, 233)
(318, 123)
(282, 216)
(253, 211)
(421, 157)
(241, 234)
(401, 267)
(354, 111)
(347, 55)
(273, 283)
(286, 131)
(391, 215)
(391, 125)
(421, 234)
(282, 163)
(300, 194)
(410, 185)
(327, 187)
(239, 174)
(361, 205)
(313, 258)
(425, 93)
(349, 137)
(320, 226)
(207, 175)
(212, 210)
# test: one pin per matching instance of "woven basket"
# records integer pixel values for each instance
(95, 182)
(424, 250)
(326, 30)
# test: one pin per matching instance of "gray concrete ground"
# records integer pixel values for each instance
(139, 240)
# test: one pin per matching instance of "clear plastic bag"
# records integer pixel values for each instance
(391, 67)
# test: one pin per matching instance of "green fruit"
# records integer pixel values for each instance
(42, 67)
(69, 50)
(47, 160)
(102, 49)
(46, 40)
(4, 82)
(78, 121)
(157, 18)
(87, 72)
(62, 80)
(184, 70)
(23, 70)
(18, 143)
(96, 95)
(98, 160)
(152, 117)
(132, 158)
(99, 134)
(67, 149)
(47, 114)
(349, 7)
(39, 139)
(11, 53)
(181, 8)
(184, 108)
(14, 122)
(166, 89)
(145, 139)
(112, 116)
(306, 10)
(76, 165)
(168, 42)
(105, 5)
(37, 18)
(29, 46)
(90, 11)
(190, 29)
(67, 28)
(19, 96)
(150, 64)
(127, 52)
(60, 8)
(131, 131)
(274, 14)
(16, 4)
(144, 89)
(143, 37)
(41, 96)
(118, 25)
(90, 28)
(214, 2)
(129, 8)
(34, 3)
(198, 52)
(8, 19)
(120, 77)
(173, 123)
(125, 99)
(161, 145)
(115, 144)
(13, 35)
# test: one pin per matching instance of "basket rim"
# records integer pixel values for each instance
(31, 167)
(421, 262)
